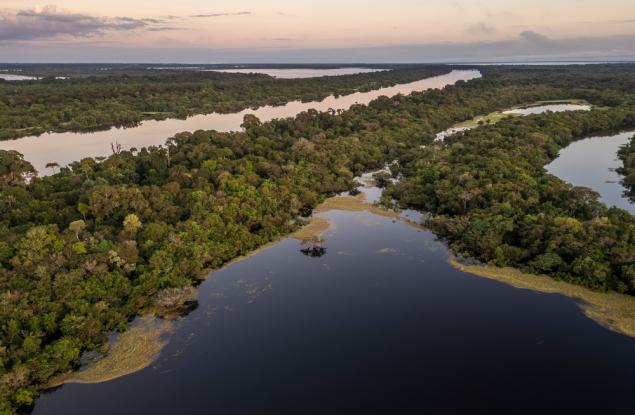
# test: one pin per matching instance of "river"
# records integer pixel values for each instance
(64, 148)
(380, 324)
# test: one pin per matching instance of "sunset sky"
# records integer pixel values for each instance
(315, 31)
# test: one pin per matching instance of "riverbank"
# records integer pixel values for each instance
(64, 148)
(133, 350)
(138, 347)
(614, 311)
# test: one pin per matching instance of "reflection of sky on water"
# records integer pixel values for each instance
(591, 163)
(64, 148)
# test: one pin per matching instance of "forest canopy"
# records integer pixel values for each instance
(92, 99)
(85, 250)
(627, 155)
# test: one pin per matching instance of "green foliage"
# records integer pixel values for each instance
(85, 250)
(14, 170)
(94, 99)
(627, 155)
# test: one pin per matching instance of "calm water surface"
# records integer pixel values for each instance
(298, 72)
(12, 77)
(64, 148)
(591, 163)
(380, 324)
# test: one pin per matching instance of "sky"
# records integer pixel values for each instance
(274, 31)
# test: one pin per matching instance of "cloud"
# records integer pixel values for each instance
(480, 28)
(527, 46)
(50, 21)
(537, 41)
(535, 38)
(221, 14)
(456, 5)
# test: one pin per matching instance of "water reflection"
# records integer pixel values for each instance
(64, 148)
(541, 109)
(591, 163)
(295, 73)
(12, 77)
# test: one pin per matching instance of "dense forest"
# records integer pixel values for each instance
(85, 250)
(627, 155)
(124, 97)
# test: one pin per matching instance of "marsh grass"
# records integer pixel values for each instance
(354, 204)
(612, 310)
(491, 118)
(133, 350)
(497, 116)
(313, 229)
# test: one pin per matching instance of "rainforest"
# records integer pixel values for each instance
(87, 249)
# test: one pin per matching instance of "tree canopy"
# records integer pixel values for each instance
(86, 249)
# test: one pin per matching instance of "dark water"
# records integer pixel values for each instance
(380, 324)
(591, 163)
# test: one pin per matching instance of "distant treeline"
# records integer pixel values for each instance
(99, 98)
(87, 249)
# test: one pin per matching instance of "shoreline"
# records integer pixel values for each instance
(613, 311)
(138, 347)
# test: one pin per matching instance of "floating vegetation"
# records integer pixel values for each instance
(254, 289)
(612, 310)
(315, 228)
(133, 350)
(391, 251)
(367, 220)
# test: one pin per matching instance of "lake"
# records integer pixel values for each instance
(380, 324)
(591, 163)
(64, 148)
(294, 73)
